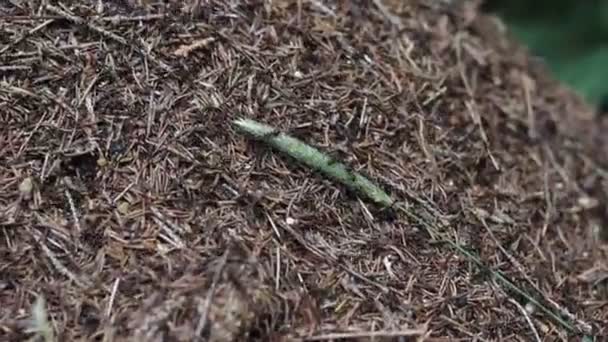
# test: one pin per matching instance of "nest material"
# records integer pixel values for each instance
(124, 183)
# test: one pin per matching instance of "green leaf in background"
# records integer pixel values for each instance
(571, 36)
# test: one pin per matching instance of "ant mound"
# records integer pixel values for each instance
(132, 209)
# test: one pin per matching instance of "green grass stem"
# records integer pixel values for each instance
(315, 159)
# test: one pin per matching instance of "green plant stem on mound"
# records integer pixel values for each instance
(315, 159)
(321, 162)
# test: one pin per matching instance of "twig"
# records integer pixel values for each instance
(122, 18)
(319, 5)
(112, 297)
(367, 334)
(25, 35)
(40, 322)
(73, 211)
(525, 313)
(80, 21)
(6, 68)
(168, 227)
(391, 17)
(82, 282)
(207, 304)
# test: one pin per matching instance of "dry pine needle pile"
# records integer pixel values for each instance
(132, 209)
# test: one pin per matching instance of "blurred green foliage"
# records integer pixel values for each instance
(571, 36)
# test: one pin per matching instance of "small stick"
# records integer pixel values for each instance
(204, 310)
(366, 334)
(315, 159)
(79, 21)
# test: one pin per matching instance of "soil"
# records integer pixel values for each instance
(132, 205)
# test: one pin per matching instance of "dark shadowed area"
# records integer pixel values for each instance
(132, 205)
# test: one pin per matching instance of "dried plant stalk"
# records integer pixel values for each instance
(40, 323)
(315, 159)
